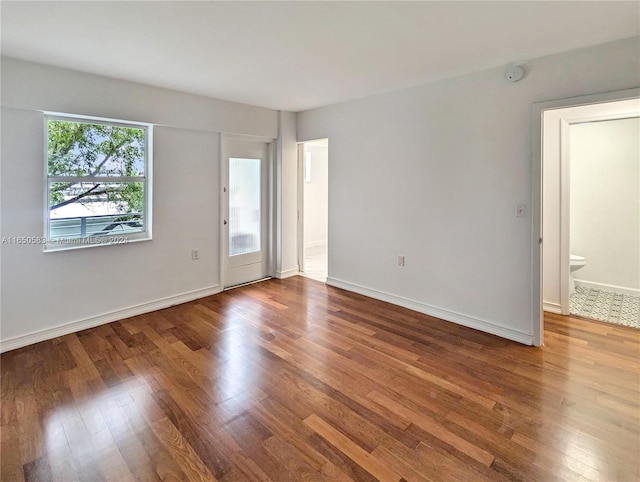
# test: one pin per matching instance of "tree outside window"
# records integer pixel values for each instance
(96, 179)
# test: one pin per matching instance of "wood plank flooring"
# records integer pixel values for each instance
(293, 380)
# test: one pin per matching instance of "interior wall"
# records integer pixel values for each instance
(434, 172)
(42, 291)
(552, 187)
(605, 201)
(288, 255)
(316, 197)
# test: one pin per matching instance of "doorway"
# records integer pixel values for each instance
(246, 213)
(558, 122)
(313, 209)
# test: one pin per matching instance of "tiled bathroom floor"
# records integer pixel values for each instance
(606, 306)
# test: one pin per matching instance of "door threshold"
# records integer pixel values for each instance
(247, 283)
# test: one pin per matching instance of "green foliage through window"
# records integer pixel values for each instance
(106, 169)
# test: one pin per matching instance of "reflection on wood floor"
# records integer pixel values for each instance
(315, 263)
(295, 380)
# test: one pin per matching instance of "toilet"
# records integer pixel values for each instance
(575, 263)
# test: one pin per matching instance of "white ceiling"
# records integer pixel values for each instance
(299, 55)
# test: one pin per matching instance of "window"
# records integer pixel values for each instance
(244, 206)
(98, 189)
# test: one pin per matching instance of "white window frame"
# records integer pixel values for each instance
(107, 239)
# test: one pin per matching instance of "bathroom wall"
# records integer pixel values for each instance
(605, 202)
(316, 197)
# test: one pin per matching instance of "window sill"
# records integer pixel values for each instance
(94, 242)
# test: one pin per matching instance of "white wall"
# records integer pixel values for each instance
(605, 201)
(316, 197)
(288, 172)
(43, 290)
(552, 186)
(434, 172)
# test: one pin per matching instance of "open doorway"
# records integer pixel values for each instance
(313, 208)
(581, 216)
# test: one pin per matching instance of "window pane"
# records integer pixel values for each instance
(244, 206)
(82, 209)
(85, 149)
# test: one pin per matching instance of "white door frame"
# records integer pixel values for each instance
(537, 314)
(300, 178)
(301, 187)
(271, 214)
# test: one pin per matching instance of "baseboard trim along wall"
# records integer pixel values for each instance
(287, 273)
(447, 315)
(623, 290)
(74, 326)
(551, 307)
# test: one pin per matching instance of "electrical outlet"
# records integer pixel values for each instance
(195, 254)
(401, 261)
(521, 210)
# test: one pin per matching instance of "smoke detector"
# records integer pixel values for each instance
(514, 73)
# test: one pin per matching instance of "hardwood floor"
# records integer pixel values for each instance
(295, 380)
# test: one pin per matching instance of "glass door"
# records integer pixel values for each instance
(246, 220)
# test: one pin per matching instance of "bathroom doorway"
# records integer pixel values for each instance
(313, 208)
(593, 137)
(604, 220)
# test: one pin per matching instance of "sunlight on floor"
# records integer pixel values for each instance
(315, 263)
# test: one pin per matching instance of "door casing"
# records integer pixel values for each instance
(537, 312)
(270, 249)
(301, 207)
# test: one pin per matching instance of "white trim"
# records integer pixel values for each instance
(255, 281)
(94, 242)
(88, 119)
(623, 290)
(277, 201)
(300, 224)
(287, 273)
(537, 311)
(551, 307)
(96, 179)
(444, 314)
(275, 210)
(146, 180)
(319, 142)
(75, 326)
(224, 201)
(565, 214)
(539, 108)
(271, 241)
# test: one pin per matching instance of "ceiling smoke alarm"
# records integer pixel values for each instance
(514, 74)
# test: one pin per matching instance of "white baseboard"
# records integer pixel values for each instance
(623, 290)
(287, 273)
(74, 326)
(551, 307)
(315, 244)
(444, 314)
